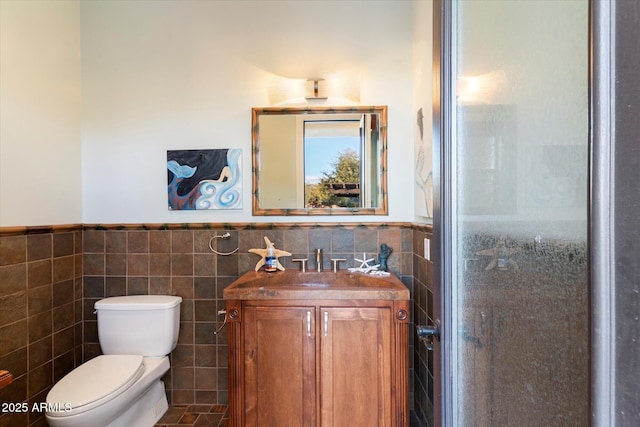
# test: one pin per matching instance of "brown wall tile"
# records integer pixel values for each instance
(40, 352)
(13, 250)
(40, 378)
(63, 316)
(93, 264)
(228, 266)
(296, 241)
(182, 356)
(46, 306)
(115, 264)
(14, 307)
(137, 286)
(94, 287)
(205, 356)
(39, 246)
(160, 264)
(115, 242)
(204, 265)
(93, 241)
(159, 242)
(40, 299)
(138, 264)
(183, 378)
(137, 242)
(206, 378)
(115, 286)
(63, 341)
(63, 244)
(182, 264)
(204, 287)
(13, 278)
(205, 310)
(182, 242)
(160, 285)
(182, 286)
(63, 269)
(13, 336)
(40, 326)
(40, 273)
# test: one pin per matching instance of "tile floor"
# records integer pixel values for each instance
(195, 415)
(210, 416)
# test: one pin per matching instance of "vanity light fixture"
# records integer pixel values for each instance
(333, 90)
(315, 89)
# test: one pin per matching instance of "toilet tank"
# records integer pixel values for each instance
(147, 325)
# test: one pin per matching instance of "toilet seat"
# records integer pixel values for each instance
(94, 382)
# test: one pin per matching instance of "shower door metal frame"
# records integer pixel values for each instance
(443, 101)
(614, 223)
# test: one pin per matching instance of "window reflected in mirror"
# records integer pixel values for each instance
(332, 163)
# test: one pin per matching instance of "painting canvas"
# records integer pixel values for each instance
(423, 89)
(423, 169)
(205, 179)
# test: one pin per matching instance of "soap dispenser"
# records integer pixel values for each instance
(270, 261)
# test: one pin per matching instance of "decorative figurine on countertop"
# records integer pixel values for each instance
(269, 253)
(383, 256)
(364, 266)
(500, 256)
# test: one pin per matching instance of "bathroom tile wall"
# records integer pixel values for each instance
(40, 314)
(423, 297)
(178, 260)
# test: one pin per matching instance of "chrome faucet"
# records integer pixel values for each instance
(319, 260)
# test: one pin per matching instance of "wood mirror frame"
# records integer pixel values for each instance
(380, 113)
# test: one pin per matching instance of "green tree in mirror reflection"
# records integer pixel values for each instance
(340, 187)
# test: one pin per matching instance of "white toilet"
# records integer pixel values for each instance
(122, 387)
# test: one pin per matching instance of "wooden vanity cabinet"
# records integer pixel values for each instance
(279, 366)
(328, 363)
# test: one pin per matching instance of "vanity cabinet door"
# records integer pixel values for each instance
(279, 366)
(355, 367)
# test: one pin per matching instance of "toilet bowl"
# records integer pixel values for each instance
(101, 391)
(122, 387)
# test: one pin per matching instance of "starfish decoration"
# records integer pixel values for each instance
(364, 266)
(494, 253)
(263, 253)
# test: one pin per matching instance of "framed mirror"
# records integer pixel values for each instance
(319, 160)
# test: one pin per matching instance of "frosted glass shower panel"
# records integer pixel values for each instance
(488, 152)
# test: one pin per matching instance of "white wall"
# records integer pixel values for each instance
(40, 109)
(184, 75)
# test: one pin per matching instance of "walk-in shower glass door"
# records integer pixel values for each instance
(519, 213)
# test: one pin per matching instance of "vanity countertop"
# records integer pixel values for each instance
(314, 286)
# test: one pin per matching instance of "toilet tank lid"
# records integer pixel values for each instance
(138, 302)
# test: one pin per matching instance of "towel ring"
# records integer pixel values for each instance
(221, 236)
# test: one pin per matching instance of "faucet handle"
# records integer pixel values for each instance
(303, 263)
(336, 262)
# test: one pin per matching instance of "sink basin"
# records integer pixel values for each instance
(313, 285)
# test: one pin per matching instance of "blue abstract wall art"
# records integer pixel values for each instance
(204, 179)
